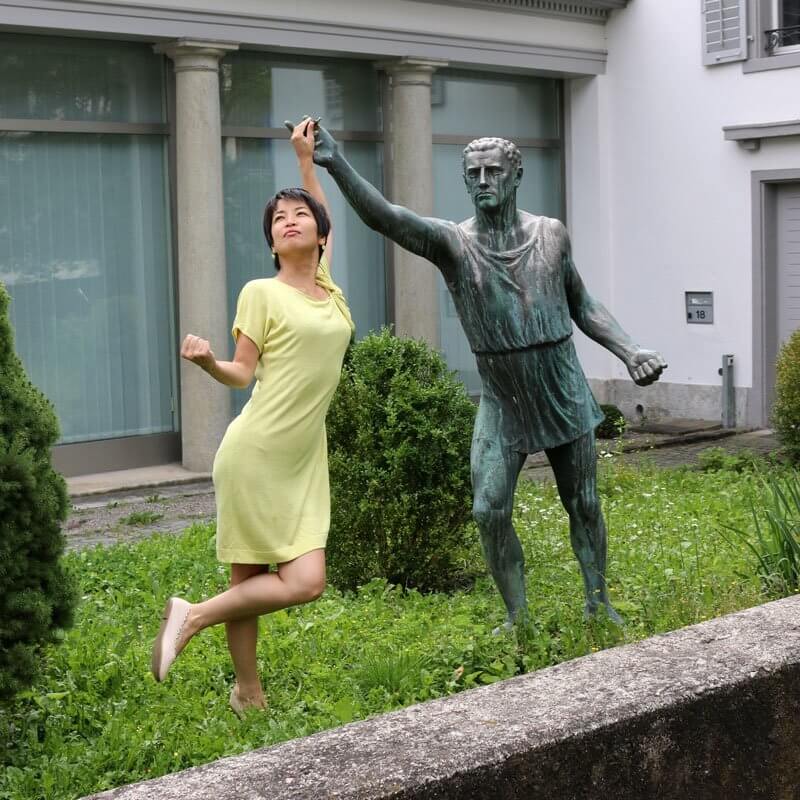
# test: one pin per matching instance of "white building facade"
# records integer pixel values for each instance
(139, 142)
(685, 162)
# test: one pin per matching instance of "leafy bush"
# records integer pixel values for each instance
(713, 459)
(786, 411)
(36, 598)
(613, 425)
(399, 431)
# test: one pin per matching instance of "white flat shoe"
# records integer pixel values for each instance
(164, 647)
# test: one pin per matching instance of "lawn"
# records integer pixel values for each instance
(97, 719)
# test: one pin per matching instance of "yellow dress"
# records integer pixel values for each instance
(271, 469)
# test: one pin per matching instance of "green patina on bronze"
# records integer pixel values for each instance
(517, 293)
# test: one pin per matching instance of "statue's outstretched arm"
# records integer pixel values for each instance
(597, 322)
(430, 238)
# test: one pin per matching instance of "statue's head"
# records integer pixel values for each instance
(492, 172)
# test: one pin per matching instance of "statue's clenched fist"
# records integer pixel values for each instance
(646, 366)
(198, 351)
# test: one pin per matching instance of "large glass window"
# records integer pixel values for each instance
(260, 90)
(466, 106)
(487, 104)
(258, 94)
(84, 232)
(88, 80)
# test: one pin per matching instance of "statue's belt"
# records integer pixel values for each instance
(526, 349)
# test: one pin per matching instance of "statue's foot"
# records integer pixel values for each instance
(513, 621)
(506, 627)
(590, 612)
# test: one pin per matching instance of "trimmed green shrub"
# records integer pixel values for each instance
(399, 432)
(786, 411)
(36, 595)
(613, 425)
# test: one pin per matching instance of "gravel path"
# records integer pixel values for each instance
(135, 514)
(130, 516)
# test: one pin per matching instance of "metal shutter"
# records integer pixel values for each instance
(724, 31)
(788, 260)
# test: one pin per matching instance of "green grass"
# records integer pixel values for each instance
(97, 719)
(776, 545)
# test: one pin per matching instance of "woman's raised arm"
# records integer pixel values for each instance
(303, 142)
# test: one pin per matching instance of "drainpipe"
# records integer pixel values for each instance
(728, 393)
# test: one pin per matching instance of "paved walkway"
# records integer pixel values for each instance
(130, 514)
(667, 451)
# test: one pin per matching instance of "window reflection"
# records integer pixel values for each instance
(51, 78)
(263, 92)
(85, 256)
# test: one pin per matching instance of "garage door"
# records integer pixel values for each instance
(788, 212)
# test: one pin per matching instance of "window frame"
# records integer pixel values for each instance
(762, 17)
(775, 24)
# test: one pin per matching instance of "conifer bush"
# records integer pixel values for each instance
(36, 595)
(399, 432)
(786, 411)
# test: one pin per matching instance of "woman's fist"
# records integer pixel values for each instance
(199, 352)
(302, 137)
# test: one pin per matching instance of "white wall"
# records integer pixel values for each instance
(675, 194)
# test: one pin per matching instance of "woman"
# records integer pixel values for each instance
(271, 470)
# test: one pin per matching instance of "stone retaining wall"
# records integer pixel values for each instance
(707, 712)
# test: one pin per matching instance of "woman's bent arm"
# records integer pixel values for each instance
(237, 373)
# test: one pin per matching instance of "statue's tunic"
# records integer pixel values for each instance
(514, 308)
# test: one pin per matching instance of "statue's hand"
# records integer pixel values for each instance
(646, 366)
(323, 144)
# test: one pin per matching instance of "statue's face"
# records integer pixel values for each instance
(490, 178)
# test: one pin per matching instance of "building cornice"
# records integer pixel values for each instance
(155, 24)
(586, 10)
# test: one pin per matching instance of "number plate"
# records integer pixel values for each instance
(700, 308)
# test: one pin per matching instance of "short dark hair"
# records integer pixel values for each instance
(317, 210)
(510, 150)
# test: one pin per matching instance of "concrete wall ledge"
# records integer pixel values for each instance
(710, 711)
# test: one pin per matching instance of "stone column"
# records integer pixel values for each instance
(416, 301)
(205, 404)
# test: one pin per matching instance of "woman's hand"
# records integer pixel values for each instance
(303, 138)
(311, 139)
(199, 352)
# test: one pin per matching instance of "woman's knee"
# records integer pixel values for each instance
(309, 589)
(304, 577)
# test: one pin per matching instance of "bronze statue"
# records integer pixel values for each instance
(517, 292)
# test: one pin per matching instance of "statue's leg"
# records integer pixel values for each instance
(495, 469)
(575, 468)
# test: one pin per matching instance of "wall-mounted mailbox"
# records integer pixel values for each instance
(700, 308)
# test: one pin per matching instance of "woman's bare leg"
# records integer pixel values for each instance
(296, 582)
(242, 635)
